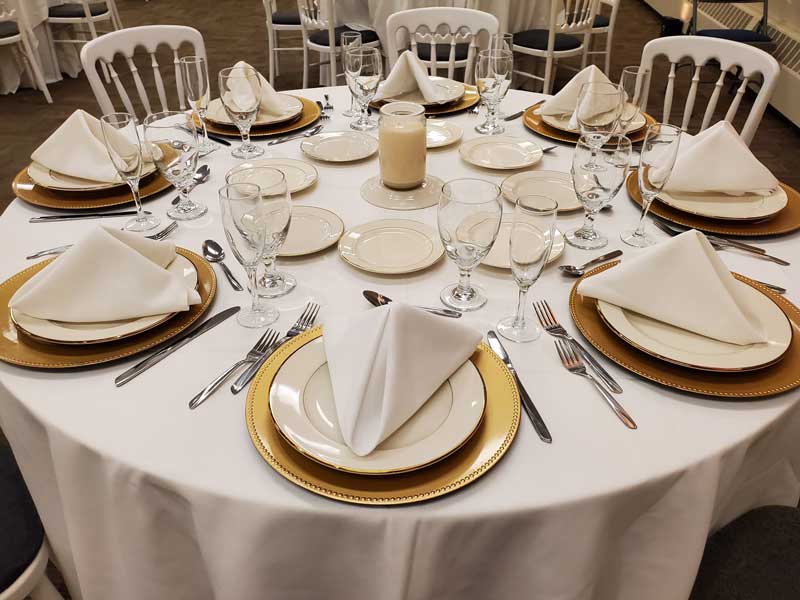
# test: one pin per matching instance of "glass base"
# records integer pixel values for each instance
(187, 211)
(424, 195)
(279, 284)
(579, 239)
(254, 319)
(365, 124)
(473, 300)
(142, 223)
(489, 128)
(350, 113)
(247, 151)
(207, 147)
(637, 241)
(526, 331)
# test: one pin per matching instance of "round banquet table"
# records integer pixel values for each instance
(143, 499)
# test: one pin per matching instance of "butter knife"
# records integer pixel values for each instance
(527, 403)
(79, 216)
(177, 342)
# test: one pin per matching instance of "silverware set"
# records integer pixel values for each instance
(59, 249)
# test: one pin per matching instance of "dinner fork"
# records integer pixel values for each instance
(59, 249)
(551, 325)
(574, 364)
(323, 116)
(256, 352)
(304, 322)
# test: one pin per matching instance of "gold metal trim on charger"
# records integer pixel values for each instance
(309, 115)
(535, 123)
(25, 189)
(479, 454)
(470, 98)
(19, 349)
(785, 221)
(777, 378)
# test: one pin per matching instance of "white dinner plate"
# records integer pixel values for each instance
(562, 122)
(216, 113)
(746, 207)
(453, 90)
(54, 180)
(689, 349)
(312, 229)
(500, 152)
(391, 246)
(302, 407)
(441, 133)
(62, 332)
(340, 146)
(552, 184)
(299, 174)
(498, 256)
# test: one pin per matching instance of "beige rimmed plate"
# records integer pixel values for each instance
(53, 180)
(500, 152)
(302, 407)
(423, 196)
(562, 122)
(452, 90)
(299, 174)
(553, 184)
(312, 229)
(62, 332)
(441, 133)
(498, 256)
(340, 146)
(746, 207)
(216, 113)
(391, 246)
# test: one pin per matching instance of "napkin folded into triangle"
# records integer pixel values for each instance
(565, 101)
(77, 148)
(408, 75)
(681, 282)
(718, 161)
(241, 92)
(385, 364)
(109, 275)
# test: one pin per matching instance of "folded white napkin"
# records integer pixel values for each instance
(717, 160)
(109, 275)
(385, 363)
(77, 149)
(242, 93)
(407, 75)
(565, 101)
(684, 283)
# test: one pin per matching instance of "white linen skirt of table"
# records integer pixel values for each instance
(143, 499)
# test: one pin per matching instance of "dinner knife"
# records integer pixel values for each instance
(673, 230)
(78, 217)
(288, 138)
(527, 403)
(211, 136)
(177, 342)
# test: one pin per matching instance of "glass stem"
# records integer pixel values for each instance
(464, 288)
(205, 131)
(269, 268)
(588, 224)
(353, 105)
(134, 185)
(647, 200)
(246, 136)
(519, 319)
(365, 112)
(255, 299)
(491, 114)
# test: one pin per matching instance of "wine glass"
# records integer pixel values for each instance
(469, 215)
(240, 92)
(363, 69)
(598, 112)
(249, 226)
(530, 243)
(350, 39)
(121, 139)
(171, 138)
(493, 69)
(272, 183)
(194, 72)
(595, 188)
(631, 82)
(658, 155)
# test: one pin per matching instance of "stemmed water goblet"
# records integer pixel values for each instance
(350, 39)
(240, 92)
(494, 69)
(363, 70)
(532, 232)
(631, 82)
(122, 143)
(194, 72)
(468, 216)
(595, 188)
(598, 112)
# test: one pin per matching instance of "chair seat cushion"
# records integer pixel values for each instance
(442, 52)
(321, 37)
(71, 11)
(601, 21)
(8, 28)
(286, 17)
(536, 39)
(745, 36)
(20, 529)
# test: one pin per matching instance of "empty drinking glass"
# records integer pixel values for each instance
(350, 39)
(124, 149)
(493, 70)
(194, 72)
(530, 243)
(240, 92)
(363, 70)
(598, 111)
(469, 215)
(631, 82)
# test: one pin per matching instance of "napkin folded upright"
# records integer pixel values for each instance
(565, 102)
(385, 363)
(109, 275)
(77, 149)
(241, 93)
(718, 161)
(681, 282)
(409, 74)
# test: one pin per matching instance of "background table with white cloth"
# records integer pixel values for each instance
(144, 499)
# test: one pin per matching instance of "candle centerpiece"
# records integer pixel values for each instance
(402, 145)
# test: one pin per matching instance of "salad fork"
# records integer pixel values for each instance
(59, 249)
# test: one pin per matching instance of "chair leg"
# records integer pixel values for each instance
(271, 56)
(38, 76)
(305, 65)
(276, 44)
(548, 68)
(45, 590)
(587, 38)
(51, 46)
(608, 54)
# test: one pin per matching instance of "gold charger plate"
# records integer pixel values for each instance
(774, 379)
(785, 221)
(25, 188)
(19, 349)
(309, 116)
(483, 450)
(470, 98)
(535, 123)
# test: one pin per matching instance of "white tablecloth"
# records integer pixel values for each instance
(144, 499)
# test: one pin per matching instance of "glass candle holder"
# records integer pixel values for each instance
(402, 145)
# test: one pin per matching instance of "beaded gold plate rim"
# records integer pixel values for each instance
(481, 452)
(535, 123)
(309, 115)
(777, 378)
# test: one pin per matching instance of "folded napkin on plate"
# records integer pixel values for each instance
(109, 275)
(407, 75)
(385, 363)
(566, 100)
(77, 149)
(684, 283)
(717, 160)
(241, 93)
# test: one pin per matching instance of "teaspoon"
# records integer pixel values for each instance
(214, 253)
(579, 271)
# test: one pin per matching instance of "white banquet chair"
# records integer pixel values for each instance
(277, 21)
(125, 42)
(567, 35)
(604, 24)
(440, 35)
(11, 34)
(747, 61)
